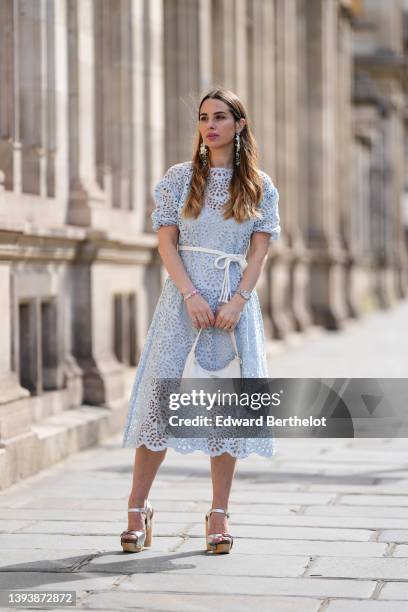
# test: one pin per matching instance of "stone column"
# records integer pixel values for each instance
(87, 201)
(49, 102)
(223, 43)
(15, 413)
(327, 268)
(113, 66)
(59, 137)
(380, 217)
(9, 383)
(10, 146)
(290, 43)
(223, 30)
(205, 45)
(241, 49)
(102, 374)
(382, 56)
(400, 250)
(260, 94)
(125, 117)
(33, 91)
(255, 67)
(395, 258)
(154, 125)
(182, 77)
(103, 93)
(139, 134)
(343, 136)
(359, 225)
(297, 210)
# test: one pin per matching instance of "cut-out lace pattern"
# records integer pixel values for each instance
(171, 333)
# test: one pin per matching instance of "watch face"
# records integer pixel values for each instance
(245, 293)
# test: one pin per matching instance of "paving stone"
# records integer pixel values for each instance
(357, 511)
(374, 455)
(266, 509)
(169, 505)
(69, 581)
(95, 528)
(176, 516)
(59, 541)
(40, 560)
(245, 585)
(295, 497)
(11, 525)
(359, 487)
(276, 481)
(34, 502)
(360, 567)
(92, 487)
(93, 516)
(375, 500)
(291, 533)
(365, 606)
(394, 536)
(395, 590)
(36, 559)
(393, 488)
(322, 499)
(251, 546)
(286, 518)
(168, 602)
(354, 352)
(59, 514)
(318, 521)
(201, 563)
(338, 467)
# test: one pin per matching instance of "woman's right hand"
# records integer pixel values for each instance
(200, 312)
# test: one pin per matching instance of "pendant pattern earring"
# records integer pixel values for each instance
(203, 153)
(237, 149)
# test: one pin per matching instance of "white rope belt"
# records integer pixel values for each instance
(222, 262)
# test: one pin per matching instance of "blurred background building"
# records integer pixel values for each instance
(97, 99)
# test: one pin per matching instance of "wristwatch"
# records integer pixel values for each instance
(245, 293)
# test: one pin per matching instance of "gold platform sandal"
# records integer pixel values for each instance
(134, 541)
(218, 542)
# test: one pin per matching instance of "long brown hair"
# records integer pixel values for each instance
(245, 189)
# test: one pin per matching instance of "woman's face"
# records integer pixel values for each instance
(217, 124)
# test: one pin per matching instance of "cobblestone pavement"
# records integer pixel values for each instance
(375, 346)
(322, 526)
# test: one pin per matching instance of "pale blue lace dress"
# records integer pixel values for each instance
(171, 333)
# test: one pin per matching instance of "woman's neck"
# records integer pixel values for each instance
(222, 158)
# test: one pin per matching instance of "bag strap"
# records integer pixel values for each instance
(233, 340)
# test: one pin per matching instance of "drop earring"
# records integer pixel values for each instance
(237, 149)
(203, 153)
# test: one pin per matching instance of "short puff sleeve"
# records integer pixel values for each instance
(270, 221)
(167, 194)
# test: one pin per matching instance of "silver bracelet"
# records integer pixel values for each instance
(189, 295)
(245, 293)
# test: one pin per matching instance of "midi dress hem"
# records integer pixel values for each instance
(174, 443)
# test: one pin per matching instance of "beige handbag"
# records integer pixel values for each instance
(192, 368)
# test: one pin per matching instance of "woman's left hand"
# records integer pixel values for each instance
(228, 314)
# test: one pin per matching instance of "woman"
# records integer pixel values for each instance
(219, 201)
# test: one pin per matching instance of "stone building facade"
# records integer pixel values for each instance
(97, 99)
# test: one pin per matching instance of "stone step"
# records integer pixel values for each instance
(55, 438)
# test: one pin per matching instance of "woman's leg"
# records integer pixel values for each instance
(222, 474)
(146, 465)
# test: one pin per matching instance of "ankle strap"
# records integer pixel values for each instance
(147, 508)
(218, 510)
